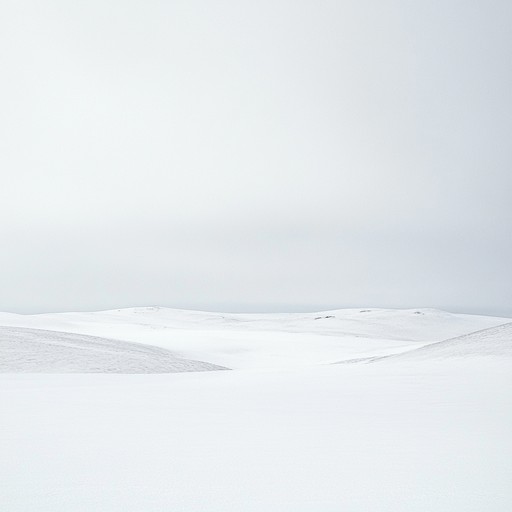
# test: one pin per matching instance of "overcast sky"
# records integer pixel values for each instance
(271, 155)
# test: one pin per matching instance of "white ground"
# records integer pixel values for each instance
(285, 431)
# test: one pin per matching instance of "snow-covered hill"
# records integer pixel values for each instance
(40, 351)
(241, 341)
(399, 324)
(493, 342)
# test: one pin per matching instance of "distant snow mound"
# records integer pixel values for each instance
(24, 350)
(495, 341)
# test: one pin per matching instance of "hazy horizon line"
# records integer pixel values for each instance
(271, 309)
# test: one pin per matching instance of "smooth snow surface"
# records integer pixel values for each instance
(286, 431)
(40, 351)
(351, 438)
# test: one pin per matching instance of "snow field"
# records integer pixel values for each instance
(428, 430)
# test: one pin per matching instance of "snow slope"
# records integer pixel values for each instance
(493, 342)
(41, 351)
(245, 341)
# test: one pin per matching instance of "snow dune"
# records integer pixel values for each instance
(40, 351)
(492, 342)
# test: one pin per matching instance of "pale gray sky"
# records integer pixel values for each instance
(256, 156)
